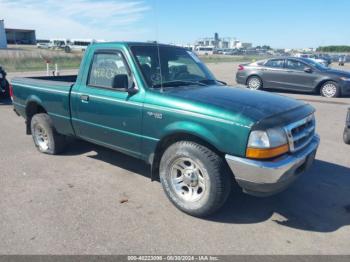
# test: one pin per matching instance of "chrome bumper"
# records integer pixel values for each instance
(262, 178)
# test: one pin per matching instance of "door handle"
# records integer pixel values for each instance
(84, 98)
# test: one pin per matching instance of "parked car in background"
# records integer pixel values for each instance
(44, 44)
(204, 50)
(58, 43)
(78, 45)
(342, 60)
(346, 135)
(196, 134)
(316, 58)
(4, 85)
(325, 57)
(294, 74)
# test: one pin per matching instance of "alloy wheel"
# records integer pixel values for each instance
(254, 83)
(187, 179)
(329, 90)
(41, 138)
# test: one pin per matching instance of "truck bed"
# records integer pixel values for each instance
(51, 92)
(48, 80)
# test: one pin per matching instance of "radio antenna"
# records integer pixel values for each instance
(157, 43)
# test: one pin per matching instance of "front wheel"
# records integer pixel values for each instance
(330, 89)
(346, 135)
(254, 83)
(194, 178)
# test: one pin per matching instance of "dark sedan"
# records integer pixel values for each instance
(294, 74)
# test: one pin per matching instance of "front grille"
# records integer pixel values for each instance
(300, 133)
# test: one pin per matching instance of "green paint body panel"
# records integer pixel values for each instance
(136, 123)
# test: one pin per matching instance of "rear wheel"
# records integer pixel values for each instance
(330, 89)
(254, 83)
(194, 178)
(45, 137)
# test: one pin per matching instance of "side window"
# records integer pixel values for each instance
(104, 68)
(276, 63)
(295, 65)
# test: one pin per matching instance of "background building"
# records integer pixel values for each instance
(3, 42)
(20, 36)
(222, 43)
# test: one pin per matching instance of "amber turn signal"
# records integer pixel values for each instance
(265, 153)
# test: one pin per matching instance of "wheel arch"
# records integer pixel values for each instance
(322, 82)
(255, 74)
(171, 138)
(33, 107)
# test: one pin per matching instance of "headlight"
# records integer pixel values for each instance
(267, 144)
(345, 78)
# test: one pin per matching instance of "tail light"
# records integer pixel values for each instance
(240, 68)
(11, 91)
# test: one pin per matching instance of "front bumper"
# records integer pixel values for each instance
(264, 178)
(344, 87)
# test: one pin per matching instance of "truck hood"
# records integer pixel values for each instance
(252, 105)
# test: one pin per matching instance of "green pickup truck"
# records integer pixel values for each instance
(161, 104)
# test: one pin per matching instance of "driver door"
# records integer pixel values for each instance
(106, 115)
(299, 79)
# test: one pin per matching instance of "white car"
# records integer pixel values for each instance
(42, 45)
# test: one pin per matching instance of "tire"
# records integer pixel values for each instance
(330, 89)
(194, 178)
(45, 137)
(254, 83)
(67, 49)
(346, 135)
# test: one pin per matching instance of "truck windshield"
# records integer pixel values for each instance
(171, 66)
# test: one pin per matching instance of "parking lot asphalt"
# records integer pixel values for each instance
(91, 200)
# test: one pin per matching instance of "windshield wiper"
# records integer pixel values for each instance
(212, 81)
(176, 83)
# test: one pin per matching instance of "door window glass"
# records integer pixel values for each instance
(276, 63)
(104, 68)
(295, 65)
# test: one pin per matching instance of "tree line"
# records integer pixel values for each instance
(334, 48)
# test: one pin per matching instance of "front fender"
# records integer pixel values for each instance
(200, 131)
(226, 138)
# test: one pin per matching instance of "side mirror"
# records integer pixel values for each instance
(122, 82)
(308, 70)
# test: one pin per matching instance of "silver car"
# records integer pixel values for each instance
(294, 74)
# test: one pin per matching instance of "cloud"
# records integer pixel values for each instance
(99, 19)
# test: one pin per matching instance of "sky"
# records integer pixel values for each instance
(278, 23)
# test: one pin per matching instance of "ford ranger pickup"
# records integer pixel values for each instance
(161, 104)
